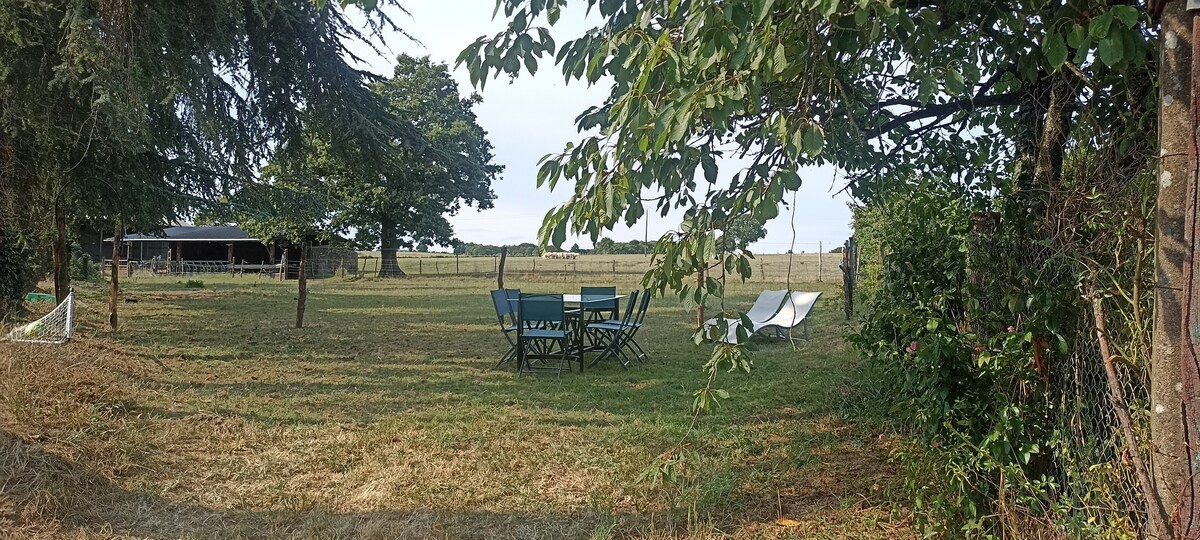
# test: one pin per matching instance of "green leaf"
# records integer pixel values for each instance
(1075, 38)
(1112, 49)
(779, 59)
(1055, 49)
(954, 83)
(1099, 27)
(710, 167)
(813, 140)
(1128, 15)
(925, 90)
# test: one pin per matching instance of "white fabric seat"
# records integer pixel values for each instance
(764, 308)
(790, 310)
(793, 313)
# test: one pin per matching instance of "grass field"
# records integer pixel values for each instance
(207, 416)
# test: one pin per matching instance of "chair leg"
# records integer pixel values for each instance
(508, 357)
(639, 352)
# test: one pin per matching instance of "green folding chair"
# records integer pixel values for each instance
(610, 334)
(506, 315)
(544, 334)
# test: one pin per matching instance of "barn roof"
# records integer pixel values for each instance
(193, 233)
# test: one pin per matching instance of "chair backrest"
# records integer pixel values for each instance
(767, 305)
(643, 306)
(541, 308)
(792, 312)
(599, 291)
(802, 303)
(630, 307)
(503, 306)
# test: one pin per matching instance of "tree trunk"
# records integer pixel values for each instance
(302, 280)
(700, 306)
(62, 258)
(389, 242)
(1169, 435)
(1189, 327)
(115, 288)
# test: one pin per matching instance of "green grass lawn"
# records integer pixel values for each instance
(208, 416)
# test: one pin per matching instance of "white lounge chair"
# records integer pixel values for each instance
(793, 313)
(764, 308)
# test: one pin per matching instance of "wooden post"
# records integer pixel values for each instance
(457, 271)
(820, 261)
(62, 262)
(302, 276)
(283, 266)
(500, 267)
(848, 267)
(115, 272)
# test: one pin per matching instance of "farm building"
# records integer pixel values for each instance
(222, 248)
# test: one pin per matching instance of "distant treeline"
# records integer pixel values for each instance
(605, 246)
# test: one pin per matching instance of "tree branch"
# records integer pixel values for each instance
(945, 109)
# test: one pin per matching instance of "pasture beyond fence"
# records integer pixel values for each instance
(336, 262)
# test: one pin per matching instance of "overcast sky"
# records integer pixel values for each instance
(534, 116)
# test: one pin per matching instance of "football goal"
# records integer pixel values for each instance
(55, 327)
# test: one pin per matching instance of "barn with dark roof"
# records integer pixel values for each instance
(197, 243)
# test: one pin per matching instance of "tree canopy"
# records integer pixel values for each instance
(741, 232)
(403, 203)
(148, 111)
(882, 90)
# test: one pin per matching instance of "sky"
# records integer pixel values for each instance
(532, 116)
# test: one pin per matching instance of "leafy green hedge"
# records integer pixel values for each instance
(979, 324)
(15, 278)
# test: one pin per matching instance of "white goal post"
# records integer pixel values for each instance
(55, 327)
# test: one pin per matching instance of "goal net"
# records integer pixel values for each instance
(56, 327)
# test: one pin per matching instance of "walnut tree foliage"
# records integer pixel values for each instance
(880, 89)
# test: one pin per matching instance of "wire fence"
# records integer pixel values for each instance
(799, 267)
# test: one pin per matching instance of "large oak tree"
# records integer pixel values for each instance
(403, 202)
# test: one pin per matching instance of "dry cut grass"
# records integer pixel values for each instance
(206, 416)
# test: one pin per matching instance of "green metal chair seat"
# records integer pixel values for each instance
(538, 333)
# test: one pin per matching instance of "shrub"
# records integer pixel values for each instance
(15, 278)
(83, 268)
(194, 284)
